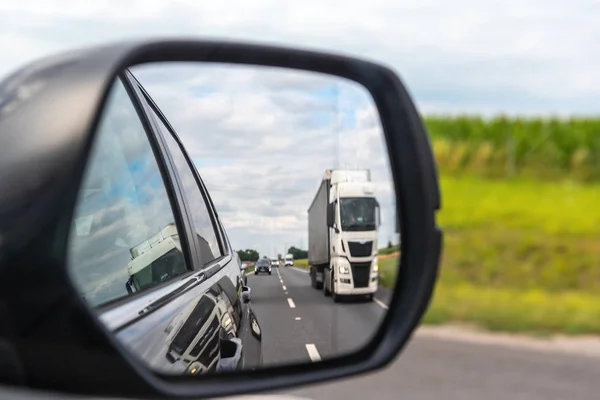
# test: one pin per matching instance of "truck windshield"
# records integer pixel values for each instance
(168, 265)
(358, 213)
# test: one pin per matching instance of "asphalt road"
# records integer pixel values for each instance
(308, 325)
(312, 326)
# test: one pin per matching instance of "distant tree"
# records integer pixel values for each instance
(297, 253)
(390, 244)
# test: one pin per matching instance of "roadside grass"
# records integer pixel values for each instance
(519, 256)
(534, 311)
(302, 263)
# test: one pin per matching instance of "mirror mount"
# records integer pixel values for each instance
(246, 294)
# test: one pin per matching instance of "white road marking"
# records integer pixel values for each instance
(291, 303)
(286, 292)
(313, 353)
(299, 270)
(284, 288)
(298, 318)
(380, 303)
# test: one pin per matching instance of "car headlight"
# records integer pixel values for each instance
(344, 269)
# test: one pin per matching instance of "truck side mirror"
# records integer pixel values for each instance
(330, 215)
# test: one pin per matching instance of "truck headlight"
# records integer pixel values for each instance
(344, 269)
(375, 265)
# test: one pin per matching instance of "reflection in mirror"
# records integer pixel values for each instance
(191, 161)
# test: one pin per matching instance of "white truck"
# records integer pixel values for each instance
(155, 260)
(343, 222)
(159, 258)
(289, 260)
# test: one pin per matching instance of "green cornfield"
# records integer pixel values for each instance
(531, 148)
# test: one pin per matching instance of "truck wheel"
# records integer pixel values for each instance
(313, 279)
(269, 272)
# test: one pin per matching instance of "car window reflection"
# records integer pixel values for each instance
(124, 238)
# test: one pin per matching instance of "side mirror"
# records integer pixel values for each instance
(331, 215)
(58, 107)
(246, 294)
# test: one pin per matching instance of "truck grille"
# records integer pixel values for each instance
(360, 249)
(361, 274)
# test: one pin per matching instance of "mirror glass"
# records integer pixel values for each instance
(236, 217)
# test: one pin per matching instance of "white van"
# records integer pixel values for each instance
(289, 260)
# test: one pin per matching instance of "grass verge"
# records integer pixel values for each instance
(508, 310)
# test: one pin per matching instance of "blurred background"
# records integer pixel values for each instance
(510, 95)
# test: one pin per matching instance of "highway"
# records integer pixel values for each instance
(309, 326)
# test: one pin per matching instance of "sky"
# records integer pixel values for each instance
(465, 56)
(262, 139)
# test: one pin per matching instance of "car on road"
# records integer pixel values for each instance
(275, 263)
(262, 265)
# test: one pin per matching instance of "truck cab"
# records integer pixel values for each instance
(289, 260)
(155, 260)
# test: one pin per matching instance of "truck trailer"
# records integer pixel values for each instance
(343, 222)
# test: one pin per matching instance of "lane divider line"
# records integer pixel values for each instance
(291, 303)
(297, 318)
(380, 303)
(284, 288)
(313, 353)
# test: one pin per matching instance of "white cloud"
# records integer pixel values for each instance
(466, 55)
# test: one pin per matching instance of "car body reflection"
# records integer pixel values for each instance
(200, 331)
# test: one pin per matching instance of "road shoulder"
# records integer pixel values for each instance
(580, 345)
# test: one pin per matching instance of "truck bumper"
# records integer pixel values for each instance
(345, 288)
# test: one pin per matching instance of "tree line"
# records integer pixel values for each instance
(253, 255)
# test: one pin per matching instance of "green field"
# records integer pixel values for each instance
(520, 256)
(542, 149)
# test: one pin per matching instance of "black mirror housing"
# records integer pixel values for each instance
(55, 323)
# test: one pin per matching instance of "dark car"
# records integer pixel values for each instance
(262, 265)
(155, 249)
